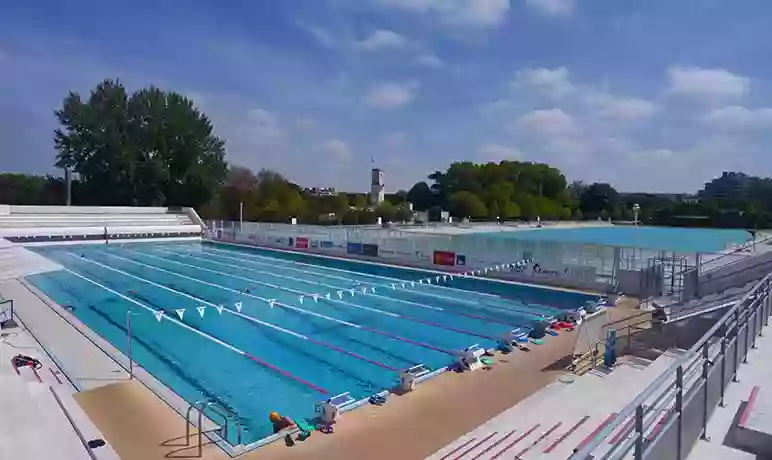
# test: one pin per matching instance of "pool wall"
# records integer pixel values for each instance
(634, 271)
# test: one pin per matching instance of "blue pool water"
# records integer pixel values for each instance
(279, 353)
(662, 238)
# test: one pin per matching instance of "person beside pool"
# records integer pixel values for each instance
(280, 422)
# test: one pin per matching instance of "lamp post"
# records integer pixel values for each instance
(130, 338)
(636, 209)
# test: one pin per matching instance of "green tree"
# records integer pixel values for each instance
(467, 204)
(147, 148)
(421, 196)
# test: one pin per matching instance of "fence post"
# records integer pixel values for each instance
(747, 338)
(705, 373)
(736, 346)
(723, 367)
(679, 407)
(638, 453)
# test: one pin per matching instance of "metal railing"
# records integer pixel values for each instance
(6, 310)
(689, 390)
(217, 409)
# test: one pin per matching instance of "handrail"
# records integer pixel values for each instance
(735, 252)
(691, 354)
(73, 425)
(6, 306)
(218, 409)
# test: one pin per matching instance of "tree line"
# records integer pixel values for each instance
(155, 148)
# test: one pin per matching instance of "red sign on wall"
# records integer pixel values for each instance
(301, 243)
(444, 258)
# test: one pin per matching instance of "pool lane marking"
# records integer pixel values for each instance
(243, 316)
(265, 364)
(342, 270)
(338, 288)
(343, 302)
(289, 307)
(515, 308)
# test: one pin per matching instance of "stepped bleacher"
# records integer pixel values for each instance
(555, 421)
(46, 224)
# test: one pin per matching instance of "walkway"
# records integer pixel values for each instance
(756, 372)
(83, 362)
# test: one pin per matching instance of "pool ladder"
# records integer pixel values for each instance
(218, 409)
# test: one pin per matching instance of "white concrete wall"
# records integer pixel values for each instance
(85, 210)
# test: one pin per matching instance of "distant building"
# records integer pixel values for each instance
(377, 188)
(321, 191)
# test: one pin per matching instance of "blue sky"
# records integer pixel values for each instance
(656, 95)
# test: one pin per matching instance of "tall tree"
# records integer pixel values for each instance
(148, 148)
(421, 196)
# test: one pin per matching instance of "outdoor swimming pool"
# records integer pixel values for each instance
(675, 239)
(261, 331)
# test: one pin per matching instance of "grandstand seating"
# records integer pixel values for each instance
(553, 422)
(36, 224)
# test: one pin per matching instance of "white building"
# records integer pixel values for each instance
(377, 189)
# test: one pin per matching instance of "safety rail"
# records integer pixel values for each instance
(6, 310)
(630, 326)
(218, 409)
(690, 403)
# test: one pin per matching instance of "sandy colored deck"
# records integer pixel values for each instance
(139, 426)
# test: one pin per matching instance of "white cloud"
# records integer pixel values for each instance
(738, 118)
(381, 39)
(430, 60)
(623, 108)
(390, 95)
(467, 13)
(552, 7)
(497, 152)
(554, 83)
(707, 85)
(335, 149)
(548, 123)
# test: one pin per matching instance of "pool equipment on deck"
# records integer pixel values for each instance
(408, 377)
(330, 408)
(469, 357)
(572, 316)
(510, 338)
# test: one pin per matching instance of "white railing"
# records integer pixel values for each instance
(716, 358)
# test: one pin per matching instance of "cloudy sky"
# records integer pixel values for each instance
(654, 95)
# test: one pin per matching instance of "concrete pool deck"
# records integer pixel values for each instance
(140, 426)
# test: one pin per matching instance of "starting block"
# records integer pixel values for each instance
(330, 408)
(408, 377)
(469, 357)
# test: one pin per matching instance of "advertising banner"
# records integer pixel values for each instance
(354, 248)
(301, 243)
(282, 241)
(314, 243)
(421, 256)
(444, 258)
(326, 244)
(460, 260)
(370, 250)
